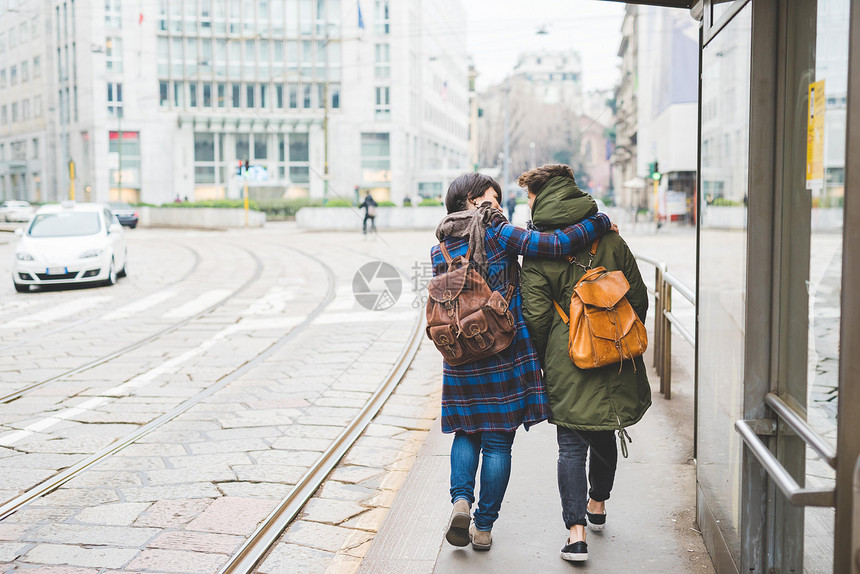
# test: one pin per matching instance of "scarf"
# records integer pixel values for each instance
(471, 224)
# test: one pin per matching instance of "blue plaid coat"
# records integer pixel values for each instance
(504, 391)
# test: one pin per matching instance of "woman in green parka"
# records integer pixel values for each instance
(587, 405)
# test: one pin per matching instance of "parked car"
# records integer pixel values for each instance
(15, 210)
(69, 243)
(125, 213)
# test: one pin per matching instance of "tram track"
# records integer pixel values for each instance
(22, 391)
(93, 317)
(13, 505)
(267, 534)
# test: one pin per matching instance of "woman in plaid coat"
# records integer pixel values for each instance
(485, 401)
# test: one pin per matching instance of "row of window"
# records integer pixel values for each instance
(281, 156)
(18, 150)
(249, 17)
(189, 56)
(25, 72)
(20, 34)
(246, 96)
(21, 111)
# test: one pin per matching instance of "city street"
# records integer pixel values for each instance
(153, 425)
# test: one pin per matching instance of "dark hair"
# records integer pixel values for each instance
(535, 179)
(469, 186)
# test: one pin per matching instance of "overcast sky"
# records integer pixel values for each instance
(499, 30)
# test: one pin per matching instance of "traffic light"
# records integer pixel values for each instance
(654, 171)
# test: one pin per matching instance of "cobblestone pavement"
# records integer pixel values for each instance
(185, 496)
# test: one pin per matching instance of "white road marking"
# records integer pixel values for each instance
(197, 305)
(58, 312)
(140, 305)
(273, 302)
(52, 420)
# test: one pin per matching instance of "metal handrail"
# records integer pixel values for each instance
(685, 291)
(800, 426)
(664, 320)
(793, 492)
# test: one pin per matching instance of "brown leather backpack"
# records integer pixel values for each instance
(604, 328)
(467, 320)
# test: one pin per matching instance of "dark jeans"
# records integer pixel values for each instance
(495, 472)
(372, 223)
(573, 446)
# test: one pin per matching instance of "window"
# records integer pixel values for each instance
(13, 75)
(264, 92)
(2, 42)
(23, 36)
(383, 22)
(37, 107)
(294, 96)
(113, 14)
(375, 158)
(4, 115)
(35, 148)
(334, 95)
(34, 27)
(2, 78)
(307, 96)
(321, 95)
(279, 97)
(12, 37)
(299, 155)
(243, 147)
(163, 56)
(191, 56)
(37, 67)
(383, 103)
(207, 95)
(15, 112)
(113, 53)
(192, 95)
(234, 96)
(162, 15)
(163, 99)
(249, 96)
(222, 95)
(383, 61)
(178, 88)
(114, 99)
(25, 71)
(204, 158)
(25, 110)
(124, 174)
(261, 146)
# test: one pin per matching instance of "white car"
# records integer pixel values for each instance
(69, 243)
(15, 210)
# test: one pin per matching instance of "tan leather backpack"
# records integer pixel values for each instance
(467, 320)
(604, 328)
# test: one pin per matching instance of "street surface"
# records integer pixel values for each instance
(223, 366)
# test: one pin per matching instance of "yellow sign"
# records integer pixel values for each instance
(815, 137)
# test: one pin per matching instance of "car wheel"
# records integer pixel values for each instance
(132, 226)
(112, 274)
(124, 271)
(22, 288)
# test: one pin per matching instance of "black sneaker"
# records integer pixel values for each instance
(596, 521)
(576, 552)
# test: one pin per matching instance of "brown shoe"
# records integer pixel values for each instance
(458, 526)
(481, 539)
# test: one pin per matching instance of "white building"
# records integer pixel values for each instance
(163, 99)
(553, 77)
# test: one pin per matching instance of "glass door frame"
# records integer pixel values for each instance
(766, 541)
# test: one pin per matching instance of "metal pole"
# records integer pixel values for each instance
(507, 162)
(245, 172)
(666, 380)
(325, 119)
(658, 323)
(71, 180)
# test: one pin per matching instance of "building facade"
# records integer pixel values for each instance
(322, 98)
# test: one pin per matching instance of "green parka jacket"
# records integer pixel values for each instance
(581, 399)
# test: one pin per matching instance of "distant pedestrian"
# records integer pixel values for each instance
(587, 405)
(369, 204)
(485, 401)
(177, 199)
(511, 204)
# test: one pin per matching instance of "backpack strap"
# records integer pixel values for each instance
(447, 256)
(561, 312)
(592, 253)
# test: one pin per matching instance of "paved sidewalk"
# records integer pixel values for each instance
(651, 515)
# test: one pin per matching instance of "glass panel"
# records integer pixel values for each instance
(824, 286)
(722, 269)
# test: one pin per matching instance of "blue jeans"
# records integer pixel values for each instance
(573, 446)
(495, 472)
